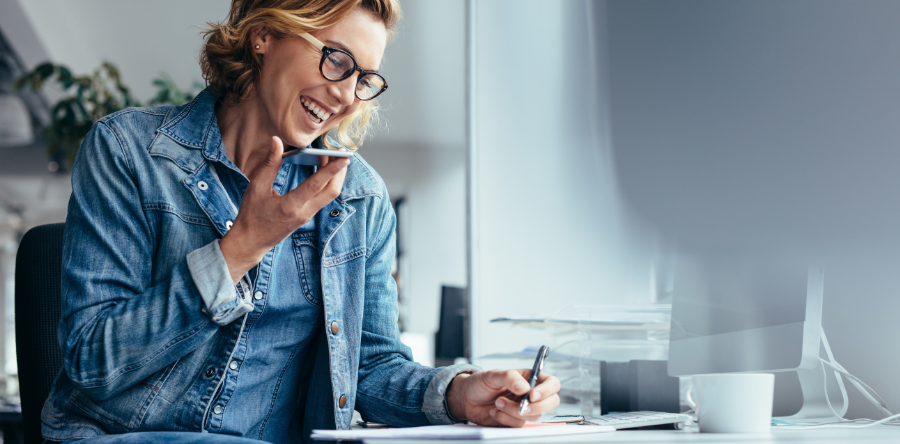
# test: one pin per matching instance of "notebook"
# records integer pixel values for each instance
(458, 432)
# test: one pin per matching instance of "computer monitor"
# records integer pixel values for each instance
(728, 134)
(740, 313)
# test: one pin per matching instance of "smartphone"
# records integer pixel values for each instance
(310, 156)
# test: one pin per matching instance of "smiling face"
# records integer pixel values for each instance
(297, 102)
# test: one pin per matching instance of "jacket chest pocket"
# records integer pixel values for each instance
(309, 265)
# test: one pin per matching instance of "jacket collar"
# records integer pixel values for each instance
(194, 126)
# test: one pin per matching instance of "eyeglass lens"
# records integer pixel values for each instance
(338, 66)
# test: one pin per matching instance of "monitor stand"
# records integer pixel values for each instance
(815, 403)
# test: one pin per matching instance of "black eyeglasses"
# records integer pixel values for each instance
(337, 65)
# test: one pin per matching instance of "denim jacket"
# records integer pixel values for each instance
(148, 304)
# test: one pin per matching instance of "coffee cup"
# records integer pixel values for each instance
(733, 402)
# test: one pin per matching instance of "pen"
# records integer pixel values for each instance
(532, 380)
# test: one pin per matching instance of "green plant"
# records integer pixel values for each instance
(87, 99)
(168, 92)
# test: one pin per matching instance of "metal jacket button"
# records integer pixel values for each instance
(334, 328)
(343, 401)
(202, 185)
(228, 225)
(217, 410)
(211, 372)
(258, 295)
(335, 213)
(233, 365)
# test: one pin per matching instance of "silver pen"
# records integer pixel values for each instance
(532, 380)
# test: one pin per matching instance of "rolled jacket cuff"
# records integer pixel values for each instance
(223, 300)
(435, 405)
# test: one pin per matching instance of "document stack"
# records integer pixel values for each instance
(581, 336)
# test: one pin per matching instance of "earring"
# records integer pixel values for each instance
(256, 47)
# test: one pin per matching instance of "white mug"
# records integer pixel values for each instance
(733, 402)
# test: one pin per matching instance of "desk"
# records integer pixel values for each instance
(876, 434)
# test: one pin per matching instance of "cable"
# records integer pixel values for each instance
(827, 399)
(868, 392)
(837, 377)
(842, 425)
(864, 388)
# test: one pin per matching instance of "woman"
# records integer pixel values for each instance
(207, 287)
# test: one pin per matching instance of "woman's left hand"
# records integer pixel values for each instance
(491, 397)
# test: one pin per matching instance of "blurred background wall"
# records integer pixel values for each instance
(552, 233)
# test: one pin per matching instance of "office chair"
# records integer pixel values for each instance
(38, 264)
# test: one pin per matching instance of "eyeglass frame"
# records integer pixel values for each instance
(327, 50)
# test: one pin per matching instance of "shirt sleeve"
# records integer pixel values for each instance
(435, 402)
(223, 301)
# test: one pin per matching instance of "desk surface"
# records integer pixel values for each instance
(876, 434)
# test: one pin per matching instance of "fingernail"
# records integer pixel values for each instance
(493, 413)
(500, 403)
(520, 386)
(535, 395)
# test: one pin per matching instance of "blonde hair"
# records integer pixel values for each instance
(231, 68)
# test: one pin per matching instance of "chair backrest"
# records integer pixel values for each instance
(38, 264)
(449, 341)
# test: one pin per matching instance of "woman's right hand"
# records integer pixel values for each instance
(267, 218)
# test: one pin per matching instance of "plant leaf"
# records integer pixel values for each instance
(21, 82)
(45, 70)
(65, 77)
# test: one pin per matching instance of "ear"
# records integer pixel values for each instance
(259, 39)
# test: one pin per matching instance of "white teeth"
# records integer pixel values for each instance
(313, 109)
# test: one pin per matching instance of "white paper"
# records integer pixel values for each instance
(458, 431)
